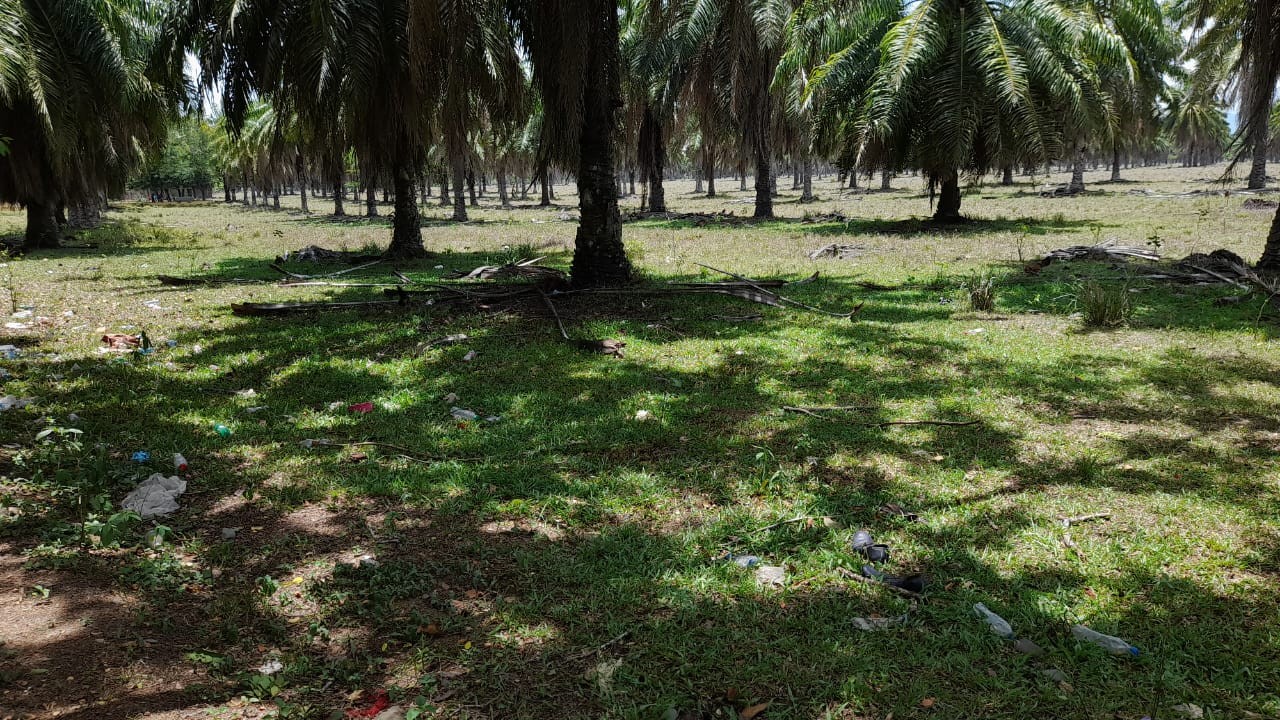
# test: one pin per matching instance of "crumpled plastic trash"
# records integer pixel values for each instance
(9, 352)
(270, 667)
(361, 407)
(463, 414)
(771, 576)
(13, 402)
(471, 355)
(156, 496)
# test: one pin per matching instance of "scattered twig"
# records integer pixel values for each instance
(597, 650)
(814, 412)
(555, 315)
(403, 452)
(800, 518)
(1069, 521)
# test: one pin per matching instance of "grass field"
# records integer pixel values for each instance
(567, 559)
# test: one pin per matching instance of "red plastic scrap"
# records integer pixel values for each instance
(380, 702)
(363, 407)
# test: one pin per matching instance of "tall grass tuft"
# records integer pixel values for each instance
(982, 293)
(1104, 305)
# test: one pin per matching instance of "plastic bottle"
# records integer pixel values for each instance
(999, 625)
(179, 463)
(1111, 644)
(222, 430)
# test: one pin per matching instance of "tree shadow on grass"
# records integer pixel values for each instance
(516, 559)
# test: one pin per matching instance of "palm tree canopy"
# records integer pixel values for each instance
(76, 101)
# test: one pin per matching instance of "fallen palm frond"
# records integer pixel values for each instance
(836, 251)
(522, 269)
(1103, 251)
(264, 309)
(315, 253)
(817, 218)
(699, 219)
(1143, 192)
(276, 266)
(780, 298)
(175, 281)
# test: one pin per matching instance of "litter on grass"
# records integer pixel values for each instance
(463, 414)
(998, 625)
(155, 497)
(771, 576)
(13, 402)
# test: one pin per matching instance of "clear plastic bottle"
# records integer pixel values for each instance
(179, 463)
(1111, 644)
(999, 625)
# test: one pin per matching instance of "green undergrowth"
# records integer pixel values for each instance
(566, 559)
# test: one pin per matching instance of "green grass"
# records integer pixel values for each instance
(514, 568)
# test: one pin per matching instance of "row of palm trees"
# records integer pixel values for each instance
(397, 89)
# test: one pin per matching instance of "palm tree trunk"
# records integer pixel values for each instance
(1006, 175)
(1270, 262)
(599, 257)
(806, 179)
(406, 225)
(764, 181)
(885, 177)
(709, 169)
(370, 200)
(42, 227)
(1115, 161)
(501, 172)
(657, 194)
(1258, 169)
(304, 183)
(471, 187)
(458, 167)
(949, 199)
(543, 174)
(1077, 170)
(275, 198)
(338, 210)
(444, 188)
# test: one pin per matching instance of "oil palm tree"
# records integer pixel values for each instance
(474, 80)
(961, 85)
(1225, 36)
(1262, 60)
(653, 75)
(76, 103)
(735, 45)
(1196, 119)
(573, 46)
(335, 63)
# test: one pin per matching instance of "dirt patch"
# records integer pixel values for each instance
(77, 652)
